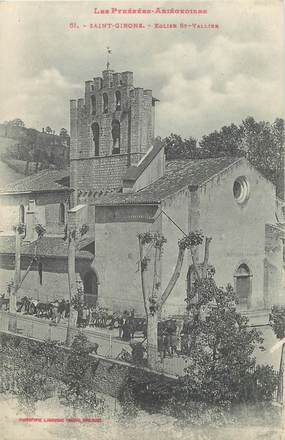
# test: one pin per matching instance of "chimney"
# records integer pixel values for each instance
(31, 234)
(280, 183)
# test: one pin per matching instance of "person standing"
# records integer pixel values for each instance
(67, 309)
(120, 326)
(160, 345)
(56, 311)
(166, 343)
(84, 316)
(173, 338)
(126, 330)
(61, 308)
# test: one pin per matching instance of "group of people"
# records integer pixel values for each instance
(55, 311)
(126, 322)
(174, 337)
(60, 310)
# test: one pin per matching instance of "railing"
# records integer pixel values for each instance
(109, 346)
(38, 328)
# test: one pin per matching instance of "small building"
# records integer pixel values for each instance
(42, 198)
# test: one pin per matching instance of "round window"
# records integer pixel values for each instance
(241, 190)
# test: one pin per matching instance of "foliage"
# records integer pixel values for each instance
(28, 363)
(76, 300)
(75, 233)
(178, 148)
(193, 239)
(40, 230)
(76, 375)
(83, 230)
(221, 367)
(156, 238)
(228, 141)
(44, 148)
(20, 228)
(63, 132)
(38, 370)
(15, 122)
(222, 347)
(49, 351)
(259, 141)
(277, 320)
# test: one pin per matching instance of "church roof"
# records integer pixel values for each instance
(178, 174)
(133, 172)
(46, 247)
(46, 180)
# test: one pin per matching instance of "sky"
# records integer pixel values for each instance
(204, 78)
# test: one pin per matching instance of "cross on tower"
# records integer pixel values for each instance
(108, 57)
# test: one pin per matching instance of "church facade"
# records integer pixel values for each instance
(120, 185)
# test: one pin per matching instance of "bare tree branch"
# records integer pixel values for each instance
(142, 271)
(175, 276)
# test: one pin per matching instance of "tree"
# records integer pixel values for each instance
(16, 122)
(63, 133)
(28, 364)
(79, 393)
(226, 142)
(20, 230)
(221, 366)
(259, 141)
(178, 148)
(73, 236)
(277, 322)
(153, 305)
(221, 360)
(48, 130)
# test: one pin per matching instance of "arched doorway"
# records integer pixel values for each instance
(90, 284)
(243, 285)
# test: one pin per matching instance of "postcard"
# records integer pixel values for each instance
(142, 220)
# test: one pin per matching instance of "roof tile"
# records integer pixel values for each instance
(46, 180)
(46, 247)
(179, 173)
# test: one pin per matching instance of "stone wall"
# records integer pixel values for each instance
(135, 115)
(117, 253)
(100, 173)
(47, 210)
(237, 231)
(109, 375)
(54, 277)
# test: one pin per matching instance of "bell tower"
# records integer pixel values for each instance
(111, 129)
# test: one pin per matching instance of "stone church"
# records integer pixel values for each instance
(120, 185)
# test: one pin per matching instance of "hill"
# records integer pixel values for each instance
(8, 175)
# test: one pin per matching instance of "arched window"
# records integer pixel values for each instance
(90, 284)
(118, 100)
(93, 104)
(62, 214)
(243, 284)
(116, 134)
(96, 135)
(105, 103)
(22, 214)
